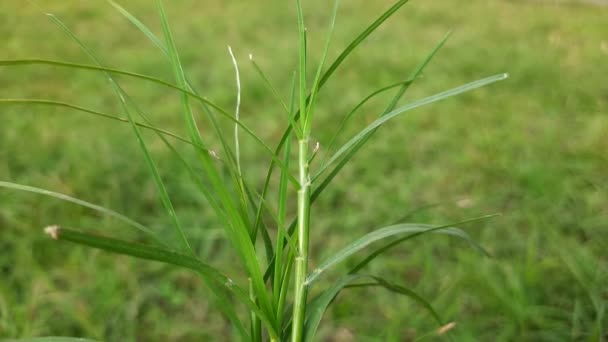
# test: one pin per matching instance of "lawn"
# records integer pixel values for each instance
(532, 148)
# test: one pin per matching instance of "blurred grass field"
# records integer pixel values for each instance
(533, 148)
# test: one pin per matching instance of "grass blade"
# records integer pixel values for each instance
(164, 196)
(350, 114)
(359, 39)
(386, 232)
(282, 232)
(414, 76)
(94, 112)
(294, 126)
(143, 28)
(315, 85)
(319, 304)
(202, 100)
(179, 75)
(406, 292)
(146, 252)
(82, 203)
(428, 100)
(239, 233)
(392, 244)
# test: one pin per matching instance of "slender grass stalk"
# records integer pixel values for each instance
(301, 258)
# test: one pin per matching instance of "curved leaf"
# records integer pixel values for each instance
(98, 113)
(63, 197)
(394, 243)
(318, 306)
(428, 100)
(383, 233)
(141, 251)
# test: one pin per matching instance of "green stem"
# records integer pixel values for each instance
(301, 262)
(256, 327)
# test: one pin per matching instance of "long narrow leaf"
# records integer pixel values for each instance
(275, 93)
(239, 233)
(315, 84)
(428, 100)
(384, 233)
(361, 103)
(359, 39)
(414, 76)
(146, 252)
(319, 305)
(163, 194)
(63, 197)
(95, 112)
(392, 244)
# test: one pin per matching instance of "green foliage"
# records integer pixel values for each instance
(231, 205)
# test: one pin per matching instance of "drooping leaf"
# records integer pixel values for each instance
(318, 306)
(396, 242)
(152, 253)
(383, 233)
(83, 203)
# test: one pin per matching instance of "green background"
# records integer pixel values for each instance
(533, 148)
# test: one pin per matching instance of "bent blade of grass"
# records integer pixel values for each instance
(202, 100)
(379, 281)
(428, 100)
(98, 113)
(318, 306)
(386, 232)
(392, 244)
(141, 251)
(82, 203)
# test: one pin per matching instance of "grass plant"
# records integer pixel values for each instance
(272, 247)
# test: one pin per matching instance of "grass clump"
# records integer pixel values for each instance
(277, 286)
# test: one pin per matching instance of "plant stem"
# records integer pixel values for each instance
(301, 262)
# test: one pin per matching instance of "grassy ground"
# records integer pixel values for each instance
(532, 148)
